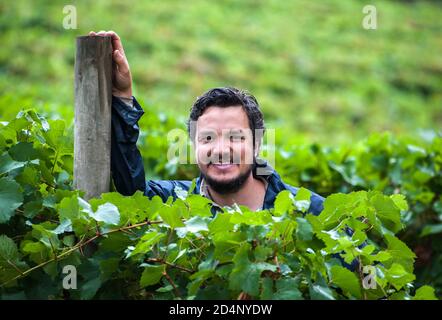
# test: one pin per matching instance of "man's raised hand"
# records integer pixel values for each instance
(121, 76)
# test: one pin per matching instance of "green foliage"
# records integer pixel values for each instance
(10, 198)
(408, 169)
(140, 248)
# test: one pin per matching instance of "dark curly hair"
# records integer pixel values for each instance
(226, 97)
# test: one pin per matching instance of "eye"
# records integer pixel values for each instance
(206, 138)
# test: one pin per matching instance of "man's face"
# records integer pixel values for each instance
(224, 147)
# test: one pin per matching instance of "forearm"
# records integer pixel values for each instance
(126, 162)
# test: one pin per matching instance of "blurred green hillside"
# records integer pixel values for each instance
(313, 68)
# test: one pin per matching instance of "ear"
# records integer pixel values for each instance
(257, 149)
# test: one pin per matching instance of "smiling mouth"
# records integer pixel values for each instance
(223, 166)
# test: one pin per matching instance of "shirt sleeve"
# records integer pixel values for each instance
(126, 163)
(127, 101)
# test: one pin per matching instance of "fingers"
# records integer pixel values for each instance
(116, 41)
(118, 51)
(121, 61)
(101, 33)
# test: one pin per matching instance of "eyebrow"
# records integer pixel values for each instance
(236, 131)
(207, 131)
(229, 131)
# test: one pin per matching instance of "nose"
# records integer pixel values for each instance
(221, 151)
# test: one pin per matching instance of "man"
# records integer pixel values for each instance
(225, 126)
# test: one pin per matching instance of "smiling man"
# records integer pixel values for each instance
(226, 128)
(225, 125)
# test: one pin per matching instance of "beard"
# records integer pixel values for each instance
(228, 186)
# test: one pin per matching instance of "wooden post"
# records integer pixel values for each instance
(93, 101)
